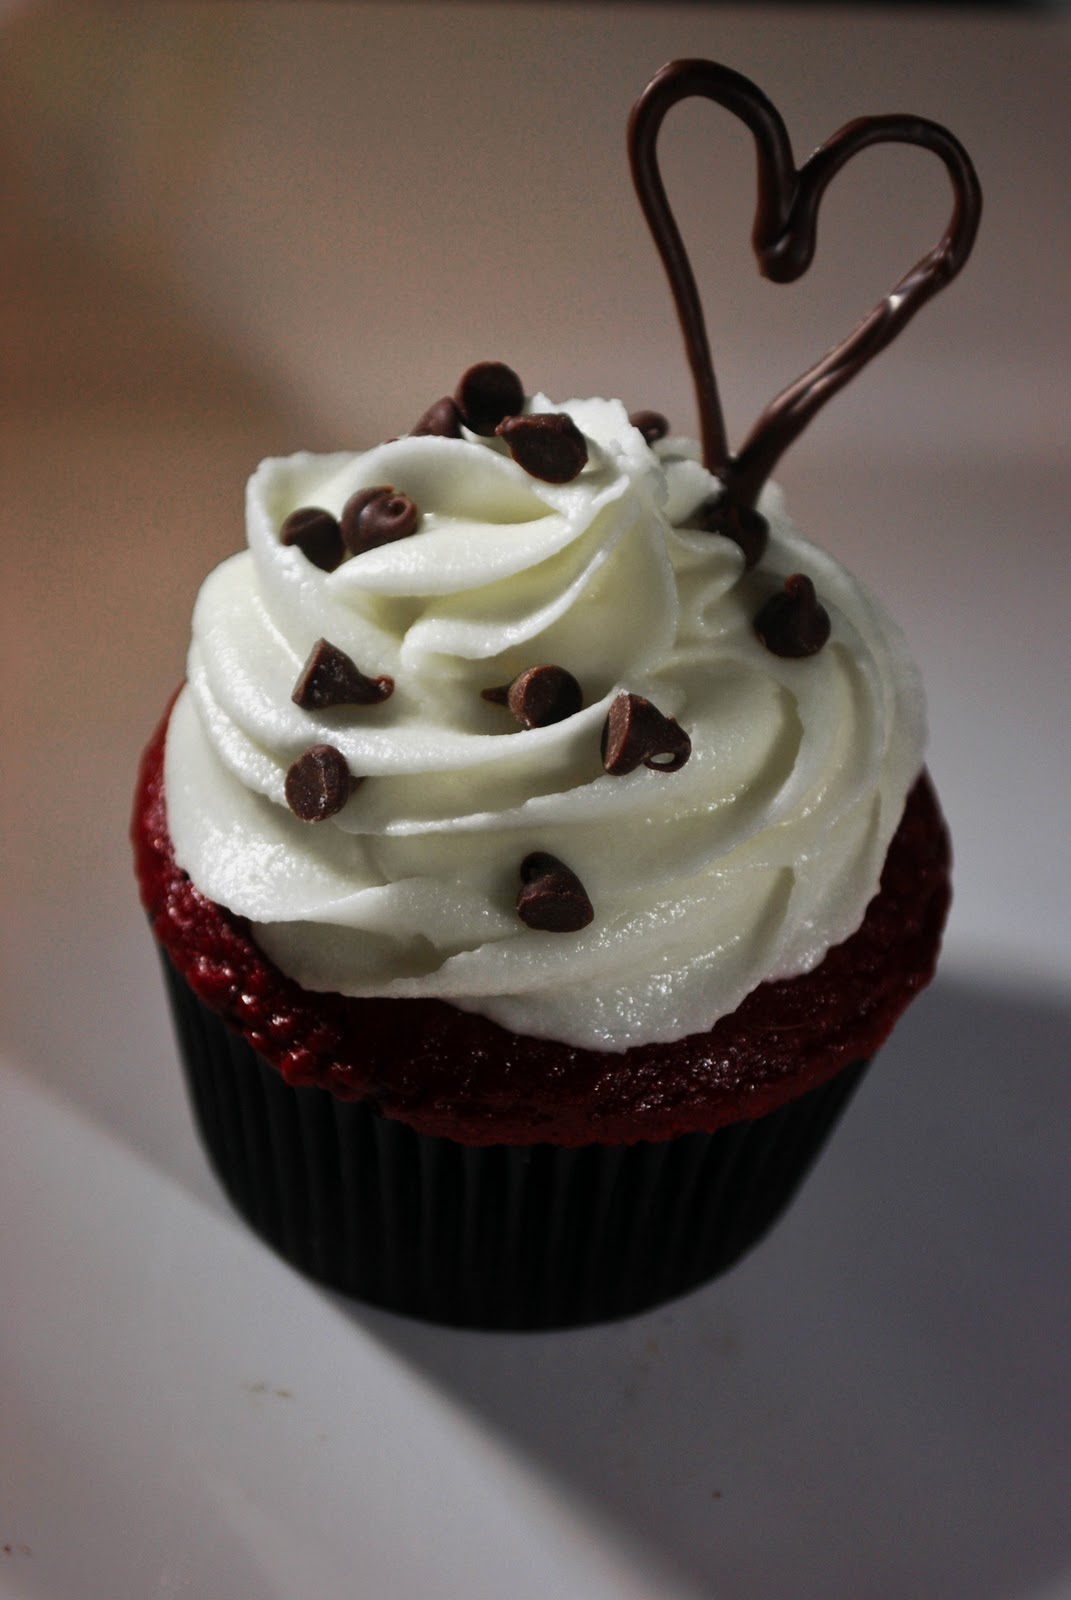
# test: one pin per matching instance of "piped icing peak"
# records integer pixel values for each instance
(540, 756)
(546, 712)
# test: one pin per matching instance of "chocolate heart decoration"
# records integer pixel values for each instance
(783, 238)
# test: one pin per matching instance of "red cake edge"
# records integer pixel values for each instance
(452, 1073)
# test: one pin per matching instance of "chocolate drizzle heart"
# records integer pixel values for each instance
(783, 237)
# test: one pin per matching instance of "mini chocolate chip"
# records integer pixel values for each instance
(552, 898)
(652, 424)
(372, 517)
(742, 524)
(548, 445)
(442, 419)
(488, 392)
(793, 622)
(319, 783)
(316, 534)
(539, 696)
(636, 731)
(330, 678)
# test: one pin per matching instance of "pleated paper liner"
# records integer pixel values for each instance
(521, 1237)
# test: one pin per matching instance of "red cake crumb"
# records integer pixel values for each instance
(449, 1072)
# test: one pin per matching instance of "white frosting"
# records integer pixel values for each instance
(747, 863)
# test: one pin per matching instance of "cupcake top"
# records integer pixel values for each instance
(542, 712)
(592, 757)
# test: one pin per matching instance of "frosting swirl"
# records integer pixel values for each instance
(746, 862)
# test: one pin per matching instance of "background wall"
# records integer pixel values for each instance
(359, 196)
(342, 206)
(229, 231)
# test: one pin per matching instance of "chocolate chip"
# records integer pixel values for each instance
(636, 731)
(487, 393)
(552, 898)
(743, 524)
(549, 445)
(372, 517)
(539, 696)
(793, 622)
(330, 678)
(652, 424)
(316, 534)
(442, 419)
(319, 783)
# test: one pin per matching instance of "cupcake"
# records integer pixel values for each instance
(538, 850)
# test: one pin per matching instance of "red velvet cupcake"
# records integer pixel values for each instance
(539, 848)
(425, 1159)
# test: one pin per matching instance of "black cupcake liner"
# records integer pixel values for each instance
(520, 1237)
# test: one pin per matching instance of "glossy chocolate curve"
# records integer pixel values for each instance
(783, 238)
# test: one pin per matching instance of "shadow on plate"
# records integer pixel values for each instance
(876, 1402)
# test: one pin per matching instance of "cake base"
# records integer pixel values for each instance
(460, 1076)
(494, 1236)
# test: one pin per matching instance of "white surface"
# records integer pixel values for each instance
(875, 1403)
(878, 1402)
(180, 1418)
